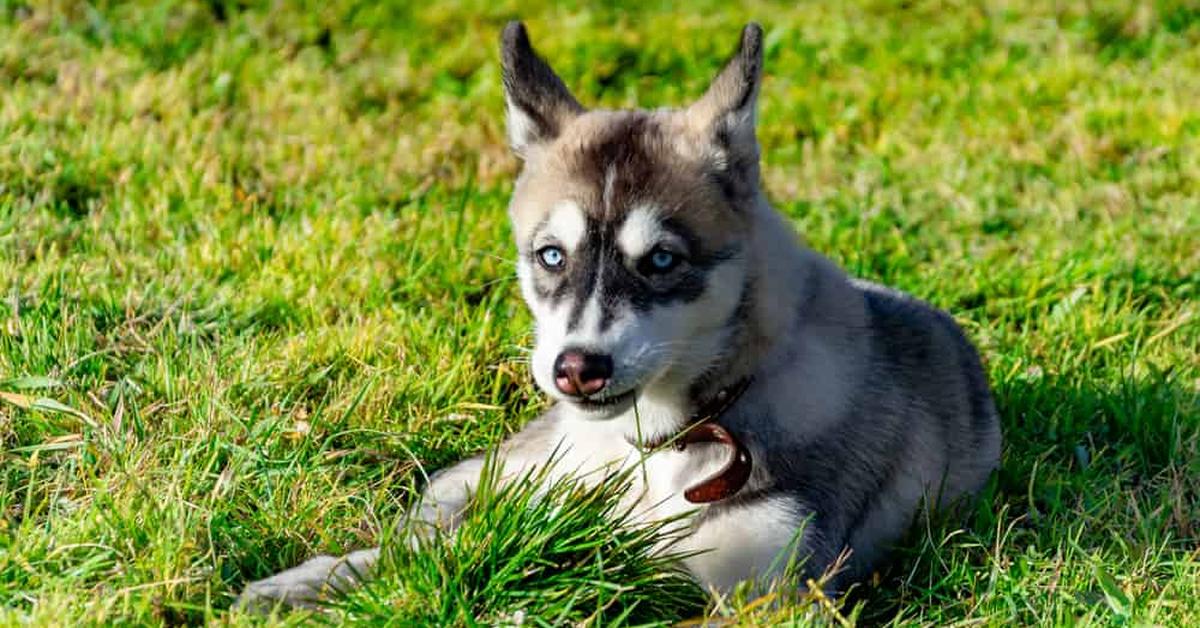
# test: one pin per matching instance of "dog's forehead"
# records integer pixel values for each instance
(609, 164)
(613, 157)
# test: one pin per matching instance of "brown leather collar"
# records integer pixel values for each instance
(702, 427)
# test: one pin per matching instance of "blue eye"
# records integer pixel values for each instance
(660, 261)
(551, 257)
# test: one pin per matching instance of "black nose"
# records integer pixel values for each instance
(578, 373)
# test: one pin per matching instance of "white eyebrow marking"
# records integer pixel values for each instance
(566, 224)
(640, 232)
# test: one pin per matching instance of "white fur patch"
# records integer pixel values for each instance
(588, 333)
(753, 541)
(640, 232)
(566, 224)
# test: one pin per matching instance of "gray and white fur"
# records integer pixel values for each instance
(658, 274)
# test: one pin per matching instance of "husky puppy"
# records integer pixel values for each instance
(810, 413)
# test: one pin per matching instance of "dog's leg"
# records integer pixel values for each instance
(303, 585)
(445, 500)
(442, 506)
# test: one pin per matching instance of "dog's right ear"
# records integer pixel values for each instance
(538, 104)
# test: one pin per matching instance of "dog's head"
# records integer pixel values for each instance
(631, 228)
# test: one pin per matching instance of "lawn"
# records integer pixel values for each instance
(256, 279)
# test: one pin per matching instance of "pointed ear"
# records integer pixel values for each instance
(538, 103)
(726, 112)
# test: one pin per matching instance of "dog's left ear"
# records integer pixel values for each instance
(538, 102)
(726, 112)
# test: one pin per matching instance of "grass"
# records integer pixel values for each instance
(255, 276)
(565, 556)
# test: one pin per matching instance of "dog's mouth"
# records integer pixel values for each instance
(608, 402)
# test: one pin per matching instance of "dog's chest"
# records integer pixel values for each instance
(592, 450)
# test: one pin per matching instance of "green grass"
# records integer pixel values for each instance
(260, 251)
(567, 555)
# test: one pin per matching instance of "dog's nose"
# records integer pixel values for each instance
(578, 373)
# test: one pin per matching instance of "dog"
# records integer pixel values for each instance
(775, 406)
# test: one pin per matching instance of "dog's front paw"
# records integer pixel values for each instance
(304, 585)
